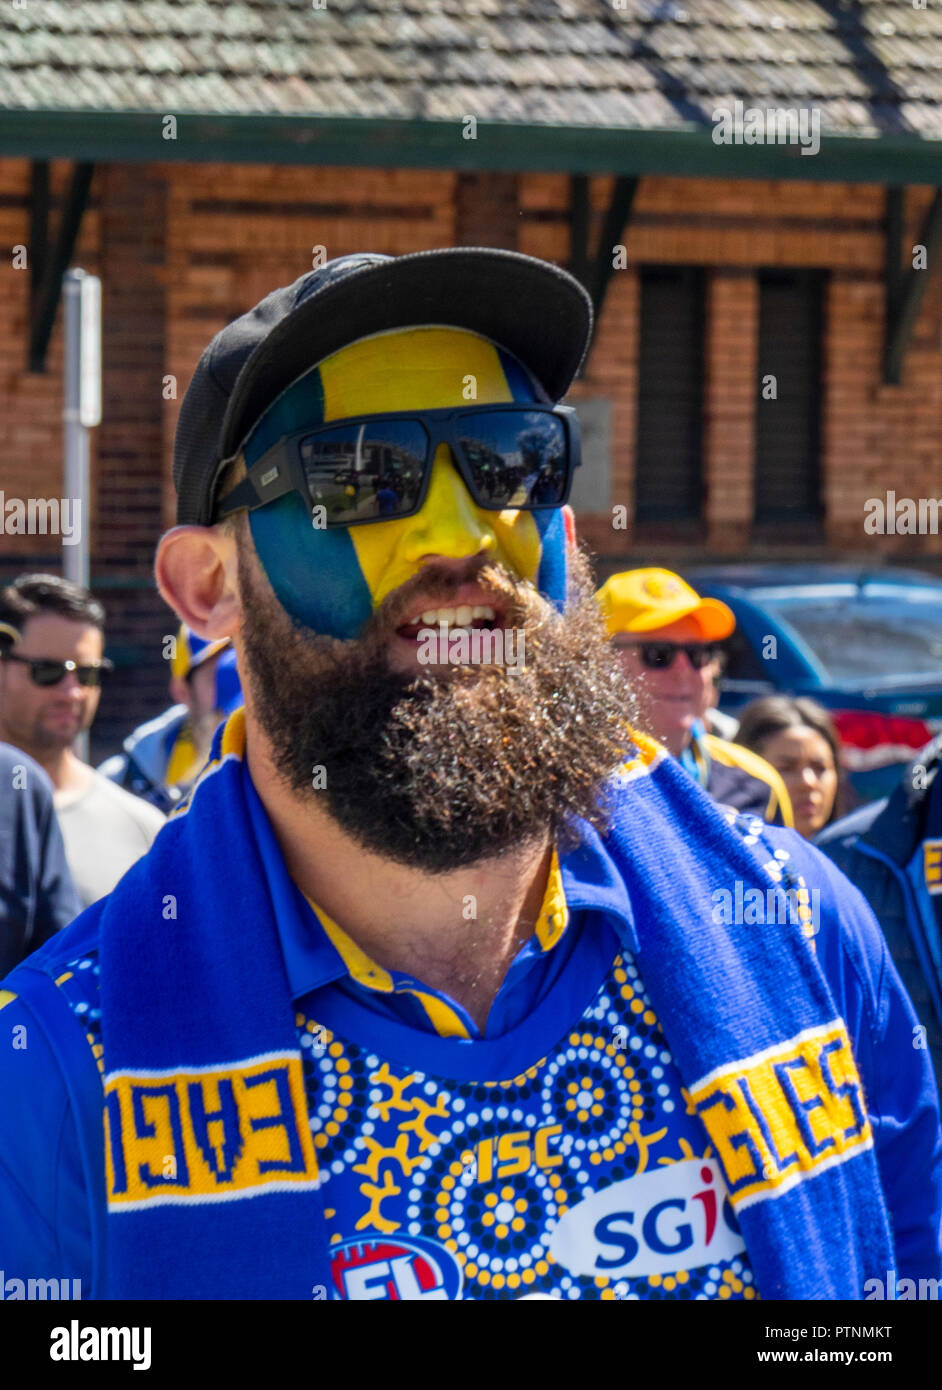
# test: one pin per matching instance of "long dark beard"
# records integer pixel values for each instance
(442, 770)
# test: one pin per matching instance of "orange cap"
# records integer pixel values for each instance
(648, 599)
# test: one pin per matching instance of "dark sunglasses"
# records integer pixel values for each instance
(660, 656)
(43, 672)
(377, 467)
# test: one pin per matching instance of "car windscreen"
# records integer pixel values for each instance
(877, 634)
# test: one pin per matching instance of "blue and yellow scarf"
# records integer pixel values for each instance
(211, 1171)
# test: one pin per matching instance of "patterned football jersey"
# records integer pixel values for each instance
(582, 1176)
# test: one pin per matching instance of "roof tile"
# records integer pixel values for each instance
(871, 66)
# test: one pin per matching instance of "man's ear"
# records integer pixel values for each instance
(196, 570)
(569, 521)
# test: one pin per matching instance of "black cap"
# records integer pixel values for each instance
(533, 309)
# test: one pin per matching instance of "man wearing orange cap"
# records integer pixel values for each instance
(666, 636)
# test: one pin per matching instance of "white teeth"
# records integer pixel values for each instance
(461, 617)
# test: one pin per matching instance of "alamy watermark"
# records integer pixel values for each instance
(758, 907)
(476, 646)
(902, 516)
(78, 1343)
(901, 1290)
(42, 516)
(13, 1289)
(755, 125)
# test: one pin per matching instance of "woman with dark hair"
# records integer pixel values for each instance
(798, 738)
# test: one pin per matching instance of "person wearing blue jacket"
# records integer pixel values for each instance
(160, 758)
(443, 983)
(892, 851)
(37, 895)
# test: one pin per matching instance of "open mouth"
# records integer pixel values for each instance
(462, 617)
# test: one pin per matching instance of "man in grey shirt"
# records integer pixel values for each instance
(51, 668)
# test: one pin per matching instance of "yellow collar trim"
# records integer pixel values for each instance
(554, 913)
(647, 751)
(360, 966)
(233, 735)
(182, 764)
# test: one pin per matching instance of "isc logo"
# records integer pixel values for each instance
(396, 1270)
(675, 1217)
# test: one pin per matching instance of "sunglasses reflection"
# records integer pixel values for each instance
(45, 672)
(660, 656)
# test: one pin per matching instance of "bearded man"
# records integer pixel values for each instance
(443, 984)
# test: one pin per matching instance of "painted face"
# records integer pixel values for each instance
(332, 580)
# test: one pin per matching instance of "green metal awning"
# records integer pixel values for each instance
(119, 136)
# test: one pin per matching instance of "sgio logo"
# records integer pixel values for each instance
(675, 1217)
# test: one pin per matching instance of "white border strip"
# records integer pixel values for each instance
(744, 1063)
(175, 1199)
(803, 1175)
(241, 1065)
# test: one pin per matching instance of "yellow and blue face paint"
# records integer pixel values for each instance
(333, 580)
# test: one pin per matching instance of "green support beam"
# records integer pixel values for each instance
(595, 271)
(580, 212)
(691, 152)
(38, 229)
(905, 290)
(613, 230)
(47, 285)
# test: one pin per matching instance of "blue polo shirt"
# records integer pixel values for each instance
(450, 1165)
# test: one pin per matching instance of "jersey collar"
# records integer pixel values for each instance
(317, 952)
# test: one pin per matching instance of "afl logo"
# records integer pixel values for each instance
(394, 1268)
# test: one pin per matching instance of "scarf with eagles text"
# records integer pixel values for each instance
(202, 1061)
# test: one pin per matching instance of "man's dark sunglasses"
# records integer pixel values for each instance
(43, 672)
(377, 467)
(660, 656)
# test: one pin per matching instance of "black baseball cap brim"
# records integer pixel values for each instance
(531, 308)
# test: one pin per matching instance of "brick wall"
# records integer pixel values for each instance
(237, 232)
(182, 249)
(130, 442)
(31, 403)
(730, 368)
(874, 437)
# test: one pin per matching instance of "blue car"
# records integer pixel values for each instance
(866, 644)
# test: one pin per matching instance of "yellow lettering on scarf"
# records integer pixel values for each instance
(785, 1114)
(208, 1134)
(932, 865)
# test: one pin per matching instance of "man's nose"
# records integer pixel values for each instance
(683, 666)
(70, 685)
(449, 524)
